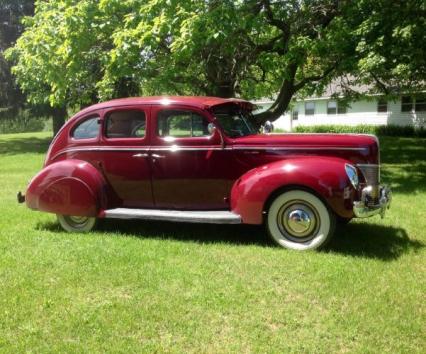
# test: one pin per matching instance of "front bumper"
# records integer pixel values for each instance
(364, 208)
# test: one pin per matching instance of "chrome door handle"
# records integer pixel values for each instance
(156, 156)
(140, 155)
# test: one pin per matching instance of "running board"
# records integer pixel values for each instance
(208, 216)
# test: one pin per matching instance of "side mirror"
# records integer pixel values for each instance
(213, 131)
(268, 127)
(211, 128)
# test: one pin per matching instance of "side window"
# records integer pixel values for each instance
(181, 124)
(88, 129)
(125, 124)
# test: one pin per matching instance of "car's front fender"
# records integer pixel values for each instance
(68, 187)
(324, 176)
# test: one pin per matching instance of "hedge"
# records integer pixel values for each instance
(381, 130)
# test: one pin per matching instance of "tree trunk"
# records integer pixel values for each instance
(226, 91)
(58, 118)
(222, 90)
(280, 105)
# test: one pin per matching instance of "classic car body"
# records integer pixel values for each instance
(198, 159)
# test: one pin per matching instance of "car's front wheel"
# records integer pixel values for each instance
(299, 220)
(76, 223)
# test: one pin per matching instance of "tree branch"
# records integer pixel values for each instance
(280, 24)
(313, 78)
(379, 83)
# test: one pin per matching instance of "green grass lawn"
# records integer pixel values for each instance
(167, 287)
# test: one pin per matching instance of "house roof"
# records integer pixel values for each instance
(337, 87)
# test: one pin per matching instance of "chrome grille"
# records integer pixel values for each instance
(371, 173)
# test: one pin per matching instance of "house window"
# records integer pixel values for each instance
(334, 107)
(382, 105)
(406, 104)
(295, 114)
(341, 108)
(331, 107)
(309, 108)
(421, 104)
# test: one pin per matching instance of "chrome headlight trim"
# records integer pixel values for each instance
(352, 174)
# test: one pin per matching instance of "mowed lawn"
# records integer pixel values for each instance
(168, 287)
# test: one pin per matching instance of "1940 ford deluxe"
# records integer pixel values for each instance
(198, 159)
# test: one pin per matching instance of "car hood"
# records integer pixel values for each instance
(359, 148)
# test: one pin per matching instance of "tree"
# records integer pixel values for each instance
(10, 30)
(78, 52)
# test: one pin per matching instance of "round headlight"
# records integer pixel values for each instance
(352, 174)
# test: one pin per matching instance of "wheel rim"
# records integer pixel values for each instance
(298, 221)
(77, 222)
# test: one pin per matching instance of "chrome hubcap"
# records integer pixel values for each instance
(77, 221)
(298, 221)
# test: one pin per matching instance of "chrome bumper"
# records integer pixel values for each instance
(363, 209)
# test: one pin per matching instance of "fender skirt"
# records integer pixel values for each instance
(69, 187)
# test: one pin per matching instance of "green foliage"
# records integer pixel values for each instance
(76, 52)
(11, 11)
(380, 130)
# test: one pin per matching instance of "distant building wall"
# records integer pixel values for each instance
(358, 112)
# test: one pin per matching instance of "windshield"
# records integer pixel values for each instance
(235, 122)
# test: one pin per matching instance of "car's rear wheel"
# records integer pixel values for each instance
(299, 220)
(76, 223)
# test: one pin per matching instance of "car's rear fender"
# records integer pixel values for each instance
(323, 176)
(68, 187)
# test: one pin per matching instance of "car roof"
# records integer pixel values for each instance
(201, 102)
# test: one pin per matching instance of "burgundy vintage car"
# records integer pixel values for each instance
(199, 159)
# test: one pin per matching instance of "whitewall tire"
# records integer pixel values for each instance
(299, 220)
(76, 223)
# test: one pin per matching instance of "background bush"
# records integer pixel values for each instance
(382, 130)
(22, 122)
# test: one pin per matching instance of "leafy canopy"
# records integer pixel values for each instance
(78, 52)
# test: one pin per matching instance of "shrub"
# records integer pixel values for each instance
(22, 122)
(381, 130)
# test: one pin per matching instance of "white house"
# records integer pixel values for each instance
(374, 110)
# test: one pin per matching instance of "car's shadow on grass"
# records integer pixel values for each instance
(372, 241)
(185, 232)
(355, 239)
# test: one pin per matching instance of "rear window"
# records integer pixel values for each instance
(125, 124)
(87, 129)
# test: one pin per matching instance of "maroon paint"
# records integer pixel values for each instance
(86, 177)
(69, 187)
(323, 175)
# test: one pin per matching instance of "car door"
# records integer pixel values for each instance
(125, 155)
(190, 167)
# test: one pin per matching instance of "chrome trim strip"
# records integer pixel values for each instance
(207, 216)
(115, 148)
(367, 165)
(185, 148)
(295, 148)
(190, 148)
(136, 149)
